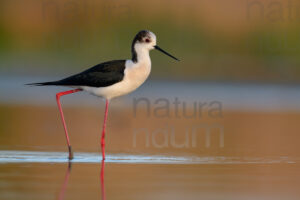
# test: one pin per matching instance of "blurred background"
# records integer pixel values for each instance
(241, 54)
(237, 41)
(239, 78)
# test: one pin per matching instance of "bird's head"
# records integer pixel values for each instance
(146, 40)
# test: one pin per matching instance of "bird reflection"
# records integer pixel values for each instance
(102, 180)
(61, 195)
(65, 184)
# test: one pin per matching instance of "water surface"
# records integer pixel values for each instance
(48, 175)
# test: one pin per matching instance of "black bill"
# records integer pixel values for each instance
(159, 49)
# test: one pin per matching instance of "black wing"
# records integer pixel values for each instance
(101, 75)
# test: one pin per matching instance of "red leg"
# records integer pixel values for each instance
(58, 95)
(103, 130)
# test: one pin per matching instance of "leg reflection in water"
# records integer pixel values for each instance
(63, 189)
(102, 180)
(65, 184)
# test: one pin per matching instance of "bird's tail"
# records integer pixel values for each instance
(42, 83)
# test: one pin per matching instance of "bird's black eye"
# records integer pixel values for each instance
(147, 40)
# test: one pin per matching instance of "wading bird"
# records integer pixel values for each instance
(111, 79)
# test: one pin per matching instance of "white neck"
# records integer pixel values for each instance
(142, 54)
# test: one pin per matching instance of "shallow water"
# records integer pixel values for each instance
(250, 151)
(61, 157)
(48, 175)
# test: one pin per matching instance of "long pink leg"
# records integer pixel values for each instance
(103, 130)
(58, 95)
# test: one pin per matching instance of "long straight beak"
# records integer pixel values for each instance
(161, 50)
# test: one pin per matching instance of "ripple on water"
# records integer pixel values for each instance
(61, 157)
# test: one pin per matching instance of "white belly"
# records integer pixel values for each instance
(135, 75)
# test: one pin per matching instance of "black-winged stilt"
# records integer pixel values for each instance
(111, 79)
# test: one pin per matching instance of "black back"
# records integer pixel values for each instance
(101, 75)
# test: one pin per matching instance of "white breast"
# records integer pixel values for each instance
(135, 75)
